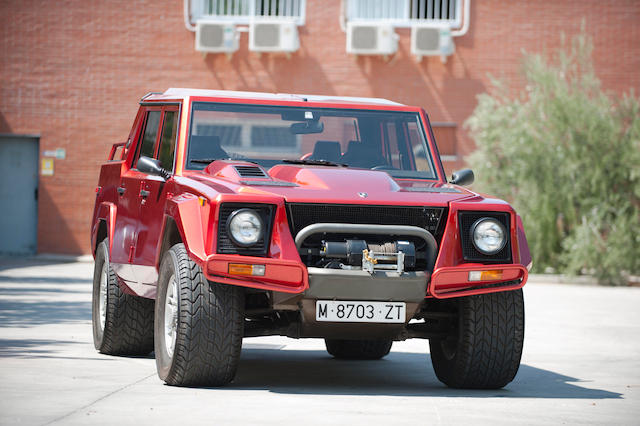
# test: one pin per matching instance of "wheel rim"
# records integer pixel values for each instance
(104, 279)
(171, 315)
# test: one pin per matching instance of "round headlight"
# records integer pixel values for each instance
(488, 235)
(245, 227)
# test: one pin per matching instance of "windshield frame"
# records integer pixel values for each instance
(422, 124)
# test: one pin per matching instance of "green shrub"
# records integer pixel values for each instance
(567, 155)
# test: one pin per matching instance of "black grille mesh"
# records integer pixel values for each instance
(226, 246)
(303, 214)
(469, 252)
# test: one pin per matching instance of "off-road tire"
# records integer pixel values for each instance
(210, 325)
(485, 351)
(128, 328)
(358, 349)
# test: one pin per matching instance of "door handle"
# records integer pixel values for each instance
(144, 193)
(121, 190)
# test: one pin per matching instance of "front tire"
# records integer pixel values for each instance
(122, 323)
(358, 349)
(199, 324)
(485, 352)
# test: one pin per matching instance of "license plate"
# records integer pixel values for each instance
(355, 311)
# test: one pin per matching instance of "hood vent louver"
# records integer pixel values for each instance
(250, 172)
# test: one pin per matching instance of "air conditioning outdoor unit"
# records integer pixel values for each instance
(216, 37)
(273, 36)
(431, 40)
(371, 39)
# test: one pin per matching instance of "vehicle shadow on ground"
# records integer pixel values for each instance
(399, 374)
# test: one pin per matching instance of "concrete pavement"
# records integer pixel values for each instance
(581, 365)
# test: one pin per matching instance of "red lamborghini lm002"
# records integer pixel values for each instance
(231, 214)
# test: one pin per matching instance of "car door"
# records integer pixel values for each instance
(125, 235)
(153, 194)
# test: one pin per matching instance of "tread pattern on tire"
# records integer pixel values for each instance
(489, 345)
(128, 328)
(358, 349)
(211, 327)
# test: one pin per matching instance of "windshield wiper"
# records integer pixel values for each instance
(211, 160)
(204, 160)
(314, 163)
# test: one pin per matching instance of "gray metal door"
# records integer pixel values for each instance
(18, 194)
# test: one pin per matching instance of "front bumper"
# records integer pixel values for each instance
(454, 281)
(342, 284)
(287, 276)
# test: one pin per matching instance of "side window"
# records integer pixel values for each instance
(150, 134)
(168, 139)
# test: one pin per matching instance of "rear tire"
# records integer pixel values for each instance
(358, 349)
(486, 350)
(199, 324)
(122, 323)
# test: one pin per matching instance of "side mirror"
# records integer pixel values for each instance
(462, 177)
(152, 167)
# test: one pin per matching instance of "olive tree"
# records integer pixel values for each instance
(567, 155)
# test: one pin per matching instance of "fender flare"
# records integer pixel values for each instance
(106, 212)
(186, 213)
(523, 245)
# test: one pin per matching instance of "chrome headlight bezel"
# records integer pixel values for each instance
(480, 225)
(256, 219)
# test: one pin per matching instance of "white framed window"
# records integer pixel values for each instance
(244, 11)
(405, 13)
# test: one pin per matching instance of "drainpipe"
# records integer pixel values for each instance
(187, 16)
(465, 21)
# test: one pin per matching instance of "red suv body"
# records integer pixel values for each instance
(305, 216)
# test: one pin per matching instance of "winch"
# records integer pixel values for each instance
(358, 254)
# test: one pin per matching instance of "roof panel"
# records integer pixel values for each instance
(182, 93)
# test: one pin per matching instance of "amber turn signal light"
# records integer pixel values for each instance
(491, 275)
(245, 269)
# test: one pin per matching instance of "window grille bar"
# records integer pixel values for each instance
(243, 11)
(405, 13)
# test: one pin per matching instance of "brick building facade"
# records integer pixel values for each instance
(72, 72)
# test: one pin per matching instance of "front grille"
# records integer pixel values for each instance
(211, 35)
(364, 37)
(469, 252)
(427, 38)
(302, 215)
(266, 35)
(226, 245)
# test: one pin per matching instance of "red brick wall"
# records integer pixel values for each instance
(73, 72)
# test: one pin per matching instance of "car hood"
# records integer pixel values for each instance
(318, 184)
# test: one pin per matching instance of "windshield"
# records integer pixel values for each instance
(269, 135)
